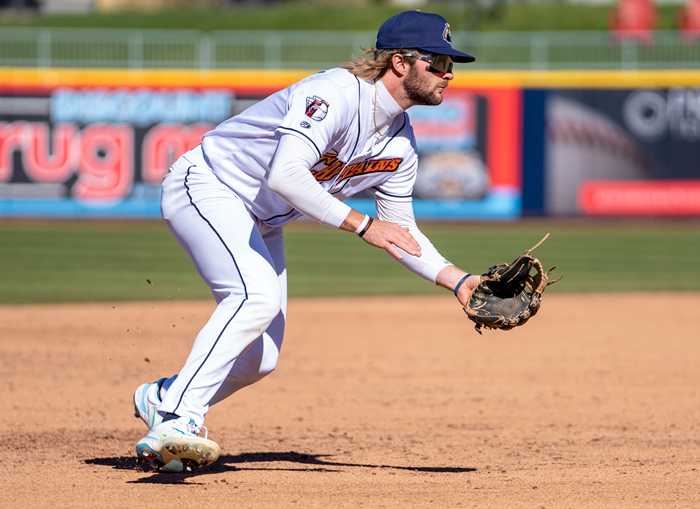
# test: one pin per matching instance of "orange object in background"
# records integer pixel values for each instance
(689, 19)
(639, 198)
(633, 19)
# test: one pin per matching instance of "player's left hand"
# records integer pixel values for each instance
(466, 289)
(451, 275)
(508, 294)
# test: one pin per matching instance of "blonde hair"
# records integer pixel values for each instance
(377, 66)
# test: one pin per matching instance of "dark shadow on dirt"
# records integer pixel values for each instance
(231, 463)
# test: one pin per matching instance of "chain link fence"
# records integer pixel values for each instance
(111, 48)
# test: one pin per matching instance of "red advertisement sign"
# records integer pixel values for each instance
(98, 142)
(640, 198)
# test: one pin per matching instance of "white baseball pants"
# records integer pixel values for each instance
(242, 261)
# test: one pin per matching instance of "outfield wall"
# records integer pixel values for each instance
(96, 142)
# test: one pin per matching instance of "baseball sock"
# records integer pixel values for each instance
(170, 417)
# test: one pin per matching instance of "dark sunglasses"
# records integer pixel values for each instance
(439, 64)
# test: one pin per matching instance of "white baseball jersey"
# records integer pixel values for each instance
(224, 204)
(301, 150)
(332, 111)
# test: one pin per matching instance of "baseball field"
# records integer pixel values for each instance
(384, 396)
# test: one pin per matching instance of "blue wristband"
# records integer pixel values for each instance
(460, 283)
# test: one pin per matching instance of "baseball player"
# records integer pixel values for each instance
(300, 151)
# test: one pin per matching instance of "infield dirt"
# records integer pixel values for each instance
(376, 402)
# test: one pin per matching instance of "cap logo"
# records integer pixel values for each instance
(447, 35)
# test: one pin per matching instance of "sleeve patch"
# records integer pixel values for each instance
(316, 108)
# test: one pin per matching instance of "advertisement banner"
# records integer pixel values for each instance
(101, 150)
(98, 151)
(622, 151)
(640, 198)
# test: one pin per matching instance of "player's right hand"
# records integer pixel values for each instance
(389, 236)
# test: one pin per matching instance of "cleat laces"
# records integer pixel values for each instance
(192, 427)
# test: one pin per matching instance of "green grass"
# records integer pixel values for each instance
(309, 16)
(67, 262)
(275, 17)
(104, 261)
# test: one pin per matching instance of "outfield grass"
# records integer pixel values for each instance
(310, 16)
(105, 261)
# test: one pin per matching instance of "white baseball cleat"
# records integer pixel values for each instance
(175, 446)
(147, 401)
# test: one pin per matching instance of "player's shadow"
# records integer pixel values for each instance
(231, 463)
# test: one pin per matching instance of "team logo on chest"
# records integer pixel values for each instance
(316, 108)
(329, 166)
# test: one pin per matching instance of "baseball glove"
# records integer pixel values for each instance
(507, 295)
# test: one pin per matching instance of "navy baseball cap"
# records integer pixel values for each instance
(419, 30)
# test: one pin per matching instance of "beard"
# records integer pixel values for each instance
(419, 91)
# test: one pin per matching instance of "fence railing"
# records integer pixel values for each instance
(54, 47)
